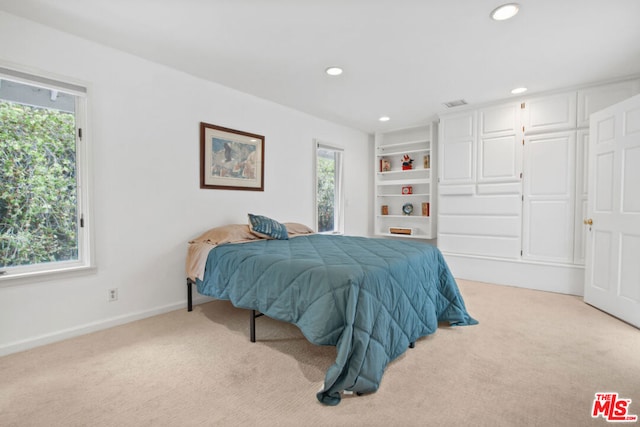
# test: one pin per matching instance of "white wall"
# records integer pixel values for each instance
(144, 131)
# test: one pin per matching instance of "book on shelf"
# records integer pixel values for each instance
(427, 161)
(425, 209)
(385, 165)
(401, 230)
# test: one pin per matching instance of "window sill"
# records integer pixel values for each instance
(28, 277)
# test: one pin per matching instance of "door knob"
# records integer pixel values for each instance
(588, 221)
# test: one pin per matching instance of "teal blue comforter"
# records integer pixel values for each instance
(368, 297)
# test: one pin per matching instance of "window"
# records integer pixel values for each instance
(329, 205)
(43, 170)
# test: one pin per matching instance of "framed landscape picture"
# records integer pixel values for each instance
(231, 159)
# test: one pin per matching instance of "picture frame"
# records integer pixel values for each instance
(231, 159)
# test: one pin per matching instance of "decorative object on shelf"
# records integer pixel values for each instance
(425, 209)
(427, 161)
(385, 210)
(231, 159)
(407, 162)
(401, 230)
(385, 165)
(407, 189)
(407, 209)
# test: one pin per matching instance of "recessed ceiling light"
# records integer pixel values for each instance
(333, 71)
(505, 11)
(384, 118)
(519, 90)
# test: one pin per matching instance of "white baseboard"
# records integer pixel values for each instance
(560, 278)
(99, 325)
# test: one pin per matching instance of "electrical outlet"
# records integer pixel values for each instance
(113, 294)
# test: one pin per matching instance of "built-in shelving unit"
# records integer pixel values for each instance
(405, 195)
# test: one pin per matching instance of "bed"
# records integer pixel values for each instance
(371, 298)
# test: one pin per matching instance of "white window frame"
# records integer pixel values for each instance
(85, 263)
(339, 191)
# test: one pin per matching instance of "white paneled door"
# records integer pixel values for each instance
(612, 281)
(548, 202)
(457, 149)
(499, 147)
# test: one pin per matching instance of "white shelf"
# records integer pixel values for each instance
(405, 236)
(405, 182)
(407, 171)
(404, 195)
(391, 153)
(405, 216)
(402, 144)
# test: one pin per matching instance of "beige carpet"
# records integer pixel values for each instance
(535, 359)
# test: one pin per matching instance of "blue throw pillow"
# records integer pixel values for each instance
(267, 227)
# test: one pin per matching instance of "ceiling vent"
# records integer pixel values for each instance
(456, 103)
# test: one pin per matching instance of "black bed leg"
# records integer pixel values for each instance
(189, 295)
(252, 326)
(412, 344)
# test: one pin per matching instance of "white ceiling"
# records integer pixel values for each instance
(402, 58)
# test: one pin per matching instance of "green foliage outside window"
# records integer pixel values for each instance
(38, 185)
(326, 171)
